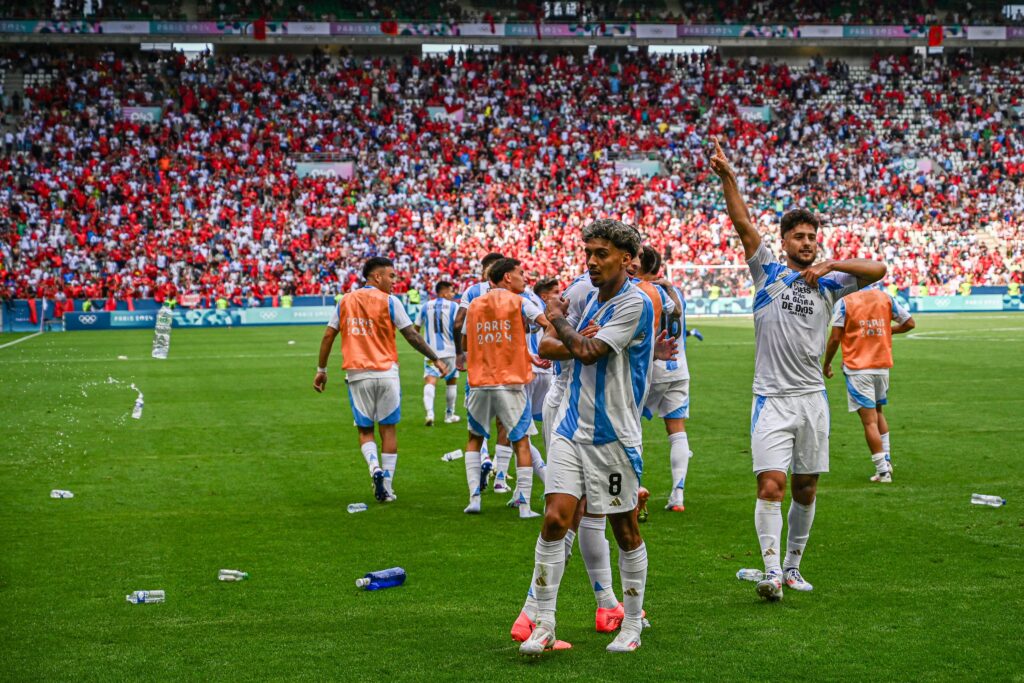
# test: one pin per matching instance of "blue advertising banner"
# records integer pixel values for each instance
(200, 317)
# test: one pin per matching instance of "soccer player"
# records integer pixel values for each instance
(367, 319)
(862, 323)
(596, 440)
(503, 449)
(789, 423)
(669, 397)
(437, 319)
(498, 361)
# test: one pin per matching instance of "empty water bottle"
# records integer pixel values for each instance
(385, 578)
(61, 493)
(750, 575)
(991, 501)
(452, 455)
(232, 575)
(162, 333)
(137, 410)
(356, 507)
(144, 597)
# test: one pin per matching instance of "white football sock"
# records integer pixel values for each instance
(502, 458)
(389, 462)
(369, 450)
(885, 443)
(768, 523)
(881, 461)
(679, 461)
(451, 393)
(570, 537)
(800, 519)
(597, 560)
(547, 574)
(540, 468)
(473, 472)
(524, 487)
(633, 571)
(428, 397)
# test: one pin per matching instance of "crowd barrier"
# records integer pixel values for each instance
(539, 31)
(200, 317)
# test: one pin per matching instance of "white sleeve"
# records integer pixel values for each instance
(838, 285)
(620, 330)
(899, 313)
(464, 299)
(335, 321)
(757, 264)
(839, 315)
(399, 316)
(531, 311)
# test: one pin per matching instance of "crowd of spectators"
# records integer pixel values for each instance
(455, 157)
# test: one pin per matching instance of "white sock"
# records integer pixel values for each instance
(570, 537)
(390, 461)
(885, 443)
(485, 456)
(540, 468)
(881, 461)
(633, 571)
(800, 519)
(547, 574)
(451, 393)
(597, 560)
(768, 523)
(502, 458)
(473, 472)
(369, 450)
(524, 486)
(428, 397)
(679, 461)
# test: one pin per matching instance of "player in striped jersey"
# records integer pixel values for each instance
(597, 435)
(670, 382)
(437, 323)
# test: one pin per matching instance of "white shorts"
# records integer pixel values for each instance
(608, 475)
(375, 401)
(790, 432)
(866, 391)
(669, 400)
(547, 423)
(508, 404)
(430, 371)
(538, 391)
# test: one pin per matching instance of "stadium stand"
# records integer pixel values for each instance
(921, 165)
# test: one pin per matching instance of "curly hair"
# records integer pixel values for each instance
(623, 236)
(796, 217)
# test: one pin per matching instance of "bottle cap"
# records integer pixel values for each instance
(362, 583)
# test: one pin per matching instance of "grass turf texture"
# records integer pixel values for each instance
(237, 463)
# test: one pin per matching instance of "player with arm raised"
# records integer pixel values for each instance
(863, 325)
(789, 425)
(437, 323)
(367, 319)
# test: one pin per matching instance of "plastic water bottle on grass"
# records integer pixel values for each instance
(385, 578)
(61, 493)
(991, 501)
(356, 507)
(750, 575)
(232, 575)
(137, 409)
(144, 597)
(162, 333)
(452, 455)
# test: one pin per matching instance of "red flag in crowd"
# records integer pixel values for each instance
(259, 29)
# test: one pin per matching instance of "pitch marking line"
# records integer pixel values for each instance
(963, 335)
(19, 340)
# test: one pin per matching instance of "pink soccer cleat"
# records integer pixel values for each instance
(523, 627)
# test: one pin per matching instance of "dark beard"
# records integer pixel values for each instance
(801, 262)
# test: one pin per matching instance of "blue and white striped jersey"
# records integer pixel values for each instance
(602, 402)
(437, 321)
(672, 370)
(536, 332)
(474, 291)
(578, 293)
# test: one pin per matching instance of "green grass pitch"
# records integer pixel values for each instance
(237, 463)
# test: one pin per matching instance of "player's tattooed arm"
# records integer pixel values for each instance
(579, 347)
(670, 290)
(739, 214)
(420, 344)
(460, 347)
